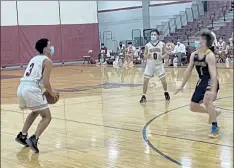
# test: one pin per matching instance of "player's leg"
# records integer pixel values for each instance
(22, 136)
(149, 71)
(212, 111)
(161, 74)
(43, 124)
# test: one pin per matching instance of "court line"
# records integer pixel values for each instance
(144, 134)
(131, 130)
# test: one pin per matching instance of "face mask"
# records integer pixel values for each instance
(52, 50)
(102, 46)
(178, 43)
(197, 44)
(120, 45)
(154, 38)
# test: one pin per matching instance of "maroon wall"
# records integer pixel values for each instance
(71, 42)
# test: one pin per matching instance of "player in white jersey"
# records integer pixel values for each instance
(30, 93)
(154, 52)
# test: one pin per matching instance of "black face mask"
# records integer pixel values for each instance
(120, 45)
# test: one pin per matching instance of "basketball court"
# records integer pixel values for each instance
(99, 122)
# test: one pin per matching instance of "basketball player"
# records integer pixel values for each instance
(30, 95)
(207, 86)
(154, 52)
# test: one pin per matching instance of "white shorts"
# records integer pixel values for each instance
(30, 96)
(152, 69)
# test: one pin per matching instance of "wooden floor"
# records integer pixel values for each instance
(99, 123)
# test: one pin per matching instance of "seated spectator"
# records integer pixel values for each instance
(104, 48)
(179, 51)
(102, 58)
(119, 58)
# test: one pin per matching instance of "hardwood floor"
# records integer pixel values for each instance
(99, 123)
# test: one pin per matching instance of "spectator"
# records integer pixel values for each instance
(231, 41)
(221, 49)
(119, 58)
(103, 48)
(130, 52)
(215, 43)
(179, 51)
(170, 48)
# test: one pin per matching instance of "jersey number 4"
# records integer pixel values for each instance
(155, 56)
(30, 69)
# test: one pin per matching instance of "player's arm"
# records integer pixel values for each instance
(188, 70)
(211, 61)
(46, 75)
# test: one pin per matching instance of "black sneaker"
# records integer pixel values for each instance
(143, 99)
(167, 96)
(32, 143)
(22, 139)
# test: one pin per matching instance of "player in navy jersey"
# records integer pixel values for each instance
(207, 86)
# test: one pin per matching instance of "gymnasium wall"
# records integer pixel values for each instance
(120, 18)
(70, 27)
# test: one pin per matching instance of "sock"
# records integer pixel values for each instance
(24, 133)
(215, 124)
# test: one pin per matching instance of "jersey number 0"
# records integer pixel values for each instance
(155, 56)
(30, 70)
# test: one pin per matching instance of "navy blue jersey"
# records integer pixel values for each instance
(204, 82)
(201, 65)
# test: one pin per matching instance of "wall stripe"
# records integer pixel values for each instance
(151, 5)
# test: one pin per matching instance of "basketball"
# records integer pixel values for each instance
(50, 99)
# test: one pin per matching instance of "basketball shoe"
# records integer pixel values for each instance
(22, 139)
(143, 99)
(214, 132)
(32, 143)
(167, 96)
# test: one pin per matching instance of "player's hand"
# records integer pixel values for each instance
(180, 89)
(54, 94)
(148, 56)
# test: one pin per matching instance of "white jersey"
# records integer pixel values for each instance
(155, 51)
(34, 70)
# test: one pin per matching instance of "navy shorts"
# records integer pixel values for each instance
(203, 85)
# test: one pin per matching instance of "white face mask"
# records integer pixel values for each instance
(154, 38)
(197, 44)
(52, 50)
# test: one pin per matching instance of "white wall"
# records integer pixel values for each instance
(38, 13)
(47, 12)
(105, 5)
(78, 12)
(160, 2)
(8, 13)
